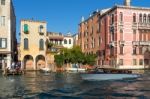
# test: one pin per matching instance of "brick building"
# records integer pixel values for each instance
(119, 36)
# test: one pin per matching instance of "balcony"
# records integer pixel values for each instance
(144, 26)
(121, 23)
(112, 44)
(41, 33)
(134, 25)
(26, 32)
(141, 43)
(122, 43)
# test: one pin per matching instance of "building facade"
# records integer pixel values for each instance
(8, 42)
(32, 44)
(119, 36)
(68, 41)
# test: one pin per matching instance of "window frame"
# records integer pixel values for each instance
(3, 40)
(26, 44)
(41, 44)
(3, 2)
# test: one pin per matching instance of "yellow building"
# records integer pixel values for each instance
(33, 44)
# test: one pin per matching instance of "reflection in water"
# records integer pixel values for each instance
(36, 85)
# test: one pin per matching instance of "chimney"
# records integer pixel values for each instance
(127, 2)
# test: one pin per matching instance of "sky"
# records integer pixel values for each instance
(63, 15)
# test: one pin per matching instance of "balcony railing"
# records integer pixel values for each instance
(141, 43)
(134, 25)
(144, 26)
(122, 43)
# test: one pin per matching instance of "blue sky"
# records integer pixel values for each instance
(63, 15)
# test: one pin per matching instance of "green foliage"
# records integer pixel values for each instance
(74, 56)
(59, 60)
(90, 59)
(49, 44)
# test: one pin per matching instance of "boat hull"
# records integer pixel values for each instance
(107, 76)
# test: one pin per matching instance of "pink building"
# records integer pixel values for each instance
(120, 36)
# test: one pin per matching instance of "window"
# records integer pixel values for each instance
(2, 2)
(134, 17)
(140, 50)
(112, 19)
(26, 30)
(121, 50)
(69, 41)
(41, 29)
(134, 35)
(41, 43)
(140, 18)
(121, 17)
(3, 42)
(26, 44)
(121, 61)
(140, 35)
(121, 35)
(99, 41)
(60, 43)
(148, 20)
(144, 18)
(144, 36)
(141, 62)
(134, 50)
(134, 62)
(65, 41)
(2, 21)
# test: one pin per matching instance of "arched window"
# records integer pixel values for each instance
(69, 41)
(112, 19)
(121, 16)
(41, 29)
(26, 28)
(148, 19)
(140, 18)
(65, 41)
(134, 17)
(41, 43)
(26, 46)
(144, 18)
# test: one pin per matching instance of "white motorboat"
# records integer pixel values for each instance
(76, 70)
(103, 76)
(45, 69)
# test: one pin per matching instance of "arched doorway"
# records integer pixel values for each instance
(40, 62)
(147, 58)
(28, 62)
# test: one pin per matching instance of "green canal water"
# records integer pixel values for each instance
(36, 85)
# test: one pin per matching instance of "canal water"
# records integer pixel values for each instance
(36, 85)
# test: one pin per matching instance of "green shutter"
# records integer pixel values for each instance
(26, 28)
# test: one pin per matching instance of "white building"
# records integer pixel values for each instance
(68, 41)
(7, 33)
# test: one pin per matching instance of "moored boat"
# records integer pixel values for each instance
(108, 74)
(45, 70)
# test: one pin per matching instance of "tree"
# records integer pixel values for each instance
(59, 60)
(74, 56)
